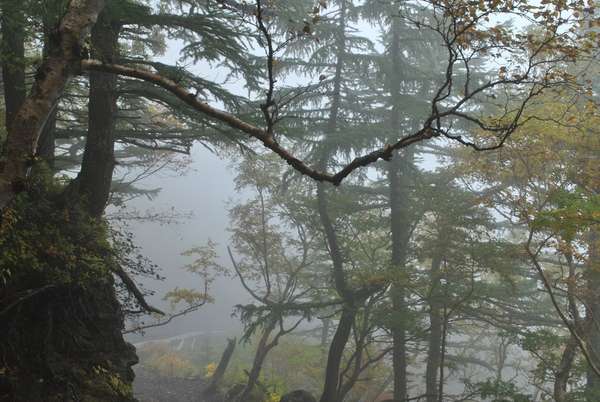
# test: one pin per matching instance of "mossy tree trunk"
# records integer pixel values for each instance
(58, 303)
(95, 178)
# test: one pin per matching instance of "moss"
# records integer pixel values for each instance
(46, 240)
(107, 382)
(58, 304)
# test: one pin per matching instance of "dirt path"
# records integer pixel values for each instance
(149, 387)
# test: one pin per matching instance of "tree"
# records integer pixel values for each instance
(67, 216)
(276, 250)
(548, 189)
(455, 24)
(527, 65)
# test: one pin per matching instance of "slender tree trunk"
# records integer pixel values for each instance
(221, 368)
(342, 333)
(262, 349)
(563, 371)
(434, 357)
(357, 364)
(399, 363)
(12, 54)
(399, 219)
(336, 352)
(95, 177)
(325, 333)
(443, 353)
(400, 233)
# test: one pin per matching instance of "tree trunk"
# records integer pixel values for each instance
(434, 357)
(342, 333)
(94, 179)
(65, 344)
(399, 218)
(564, 370)
(46, 144)
(336, 352)
(61, 64)
(400, 234)
(12, 54)
(220, 371)
(262, 349)
(357, 365)
(325, 333)
(65, 340)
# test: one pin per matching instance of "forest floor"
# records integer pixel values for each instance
(151, 387)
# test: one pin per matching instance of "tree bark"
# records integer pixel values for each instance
(61, 64)
(12, 54)
(95, 178)
(434, 357)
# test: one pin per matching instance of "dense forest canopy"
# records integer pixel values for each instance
(420, 209)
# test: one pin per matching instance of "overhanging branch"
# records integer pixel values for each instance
(259, 133)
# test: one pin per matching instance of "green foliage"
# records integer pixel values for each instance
(295, 364)
(188, 296)
(570, 212)
(501, 391)
(45, 240)
(204, 261)
(543, 339)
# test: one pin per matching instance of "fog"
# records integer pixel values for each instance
(204, 191)
(299, 201)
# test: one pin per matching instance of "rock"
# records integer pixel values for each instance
(298, 396)
(234, 392)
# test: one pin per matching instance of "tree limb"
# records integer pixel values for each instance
(260, 134)
(133, 289)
